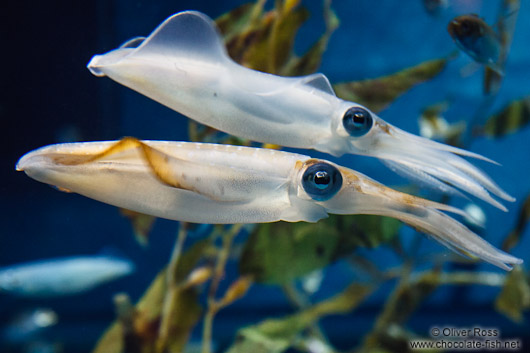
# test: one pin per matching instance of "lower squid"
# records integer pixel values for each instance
(210, 183)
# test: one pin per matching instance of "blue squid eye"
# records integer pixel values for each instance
(357, 121)
(321, 181)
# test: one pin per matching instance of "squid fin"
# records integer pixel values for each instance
(132, 43)
(318, 81)
(187, 34)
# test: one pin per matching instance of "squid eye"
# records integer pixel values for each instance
(321, 181)
(357, 121)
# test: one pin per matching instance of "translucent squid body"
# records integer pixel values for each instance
(183, 64)
(208, 183)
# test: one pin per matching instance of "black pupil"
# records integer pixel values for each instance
(322, 178)
(359, 117)
(357, 121)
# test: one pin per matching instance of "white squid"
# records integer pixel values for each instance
(209, 183)
(183, 64)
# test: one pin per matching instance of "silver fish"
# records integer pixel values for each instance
(62, 276)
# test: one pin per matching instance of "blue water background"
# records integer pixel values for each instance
(49, 96)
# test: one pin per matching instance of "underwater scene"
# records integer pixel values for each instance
(268, 176)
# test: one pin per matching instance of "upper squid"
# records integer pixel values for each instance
(184, 65)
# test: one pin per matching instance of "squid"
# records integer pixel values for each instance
(211, 183)
(184, 65)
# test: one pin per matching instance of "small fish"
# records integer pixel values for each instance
(62, 276)
(434, 126)
(475, 215)
(28, 325)
(209, 183)
(477, 39)
(183, 64)
(485, 44)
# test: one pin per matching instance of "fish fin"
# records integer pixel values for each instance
(470, 68)
(132, 43)
(189, 34)
(318, 81)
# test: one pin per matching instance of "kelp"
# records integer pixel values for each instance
(141, 224)
(163, 318)
(277, 335)
(402, 302)
(138, 329)
(510, 119)
(514, 298)
(514, 237)
(235, 23)
(264, 40)
(433, 125)
(270, 50)
(388, 333)
(378, 93)
(235, 291)
(280, 252)
(310, 61)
